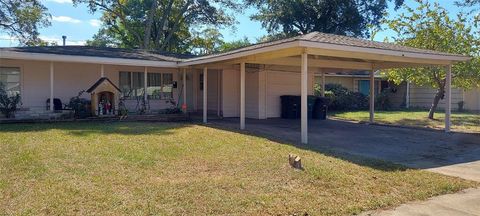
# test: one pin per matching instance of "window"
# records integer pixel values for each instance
(159, 85)
(10, 79)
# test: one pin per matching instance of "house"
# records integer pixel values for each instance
(244, 83)
(405, 95)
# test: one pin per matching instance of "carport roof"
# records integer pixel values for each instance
(330, 42)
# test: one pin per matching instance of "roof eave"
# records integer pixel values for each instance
(86, 59)
(442, 59)
(240, 54)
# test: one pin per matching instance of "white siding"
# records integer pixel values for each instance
(231, 93)
(472, 99)
(422, 97)
(282, 83)
(251, 94)
(71, 78)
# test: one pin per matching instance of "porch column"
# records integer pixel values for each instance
(219, 96)
(184, 105)
(145, 79)
(205, 90)
(372, 96)
(242, 95)
(448, 94)
(304, 104)
(323, 84)
(102, 71)
(52, 73)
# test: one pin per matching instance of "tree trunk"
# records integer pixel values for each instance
(148, 25)
(440, 94)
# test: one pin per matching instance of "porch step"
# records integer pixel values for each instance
(25, 114)
(159, 118)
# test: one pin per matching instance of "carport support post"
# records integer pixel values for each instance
(448, 108)
(372, 96)
(323, 84)
(205, 90)
(304, 104)
(242, 95)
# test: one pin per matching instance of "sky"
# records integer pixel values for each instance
(79, 25)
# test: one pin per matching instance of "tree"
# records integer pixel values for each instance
(430, 27)
(227, 46)
(343, 17)
(211, 41)
(21, 19)
(161, 25)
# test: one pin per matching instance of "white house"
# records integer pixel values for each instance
(244, 83)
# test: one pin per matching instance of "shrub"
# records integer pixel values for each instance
(382, 100)
(80, 106)
(461, 104)
(343, 99)
(8, 103)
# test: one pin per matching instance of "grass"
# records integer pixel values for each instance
(461, 122)
(177, 169)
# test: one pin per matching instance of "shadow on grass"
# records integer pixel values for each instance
(97, 128)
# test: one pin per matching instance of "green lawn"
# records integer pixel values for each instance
(173, 169)
(463, 122)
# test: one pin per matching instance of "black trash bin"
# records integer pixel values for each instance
(320, 108)
(290, 106)
(291, 109)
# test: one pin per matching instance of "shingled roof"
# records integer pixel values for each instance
(106, 52)
(137, 54)
(319, 37)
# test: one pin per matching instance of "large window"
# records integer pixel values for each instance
(159, 85)
(10, 79)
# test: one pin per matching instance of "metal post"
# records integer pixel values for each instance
(372, 96)
(407, 97)
(323, 84)
(448, 108)
(304, 101)
(205, 90)
(242, 95)
(145, 80)
(52, 73)
(184, 105)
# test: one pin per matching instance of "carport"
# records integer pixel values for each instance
(325, 51)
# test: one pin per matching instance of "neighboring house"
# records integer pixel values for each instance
(245, 82)
(415, 97)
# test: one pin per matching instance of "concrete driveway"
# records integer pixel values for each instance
(455, 154)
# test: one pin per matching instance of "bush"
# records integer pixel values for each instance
(382, 100)
(343, 99)
(80, 106)
(8, 103)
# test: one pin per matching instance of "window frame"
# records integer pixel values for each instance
(20, 78)
(161, 95)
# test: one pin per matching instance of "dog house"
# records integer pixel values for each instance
(104, 96)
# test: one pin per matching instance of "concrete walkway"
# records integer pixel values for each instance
(464, 203)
